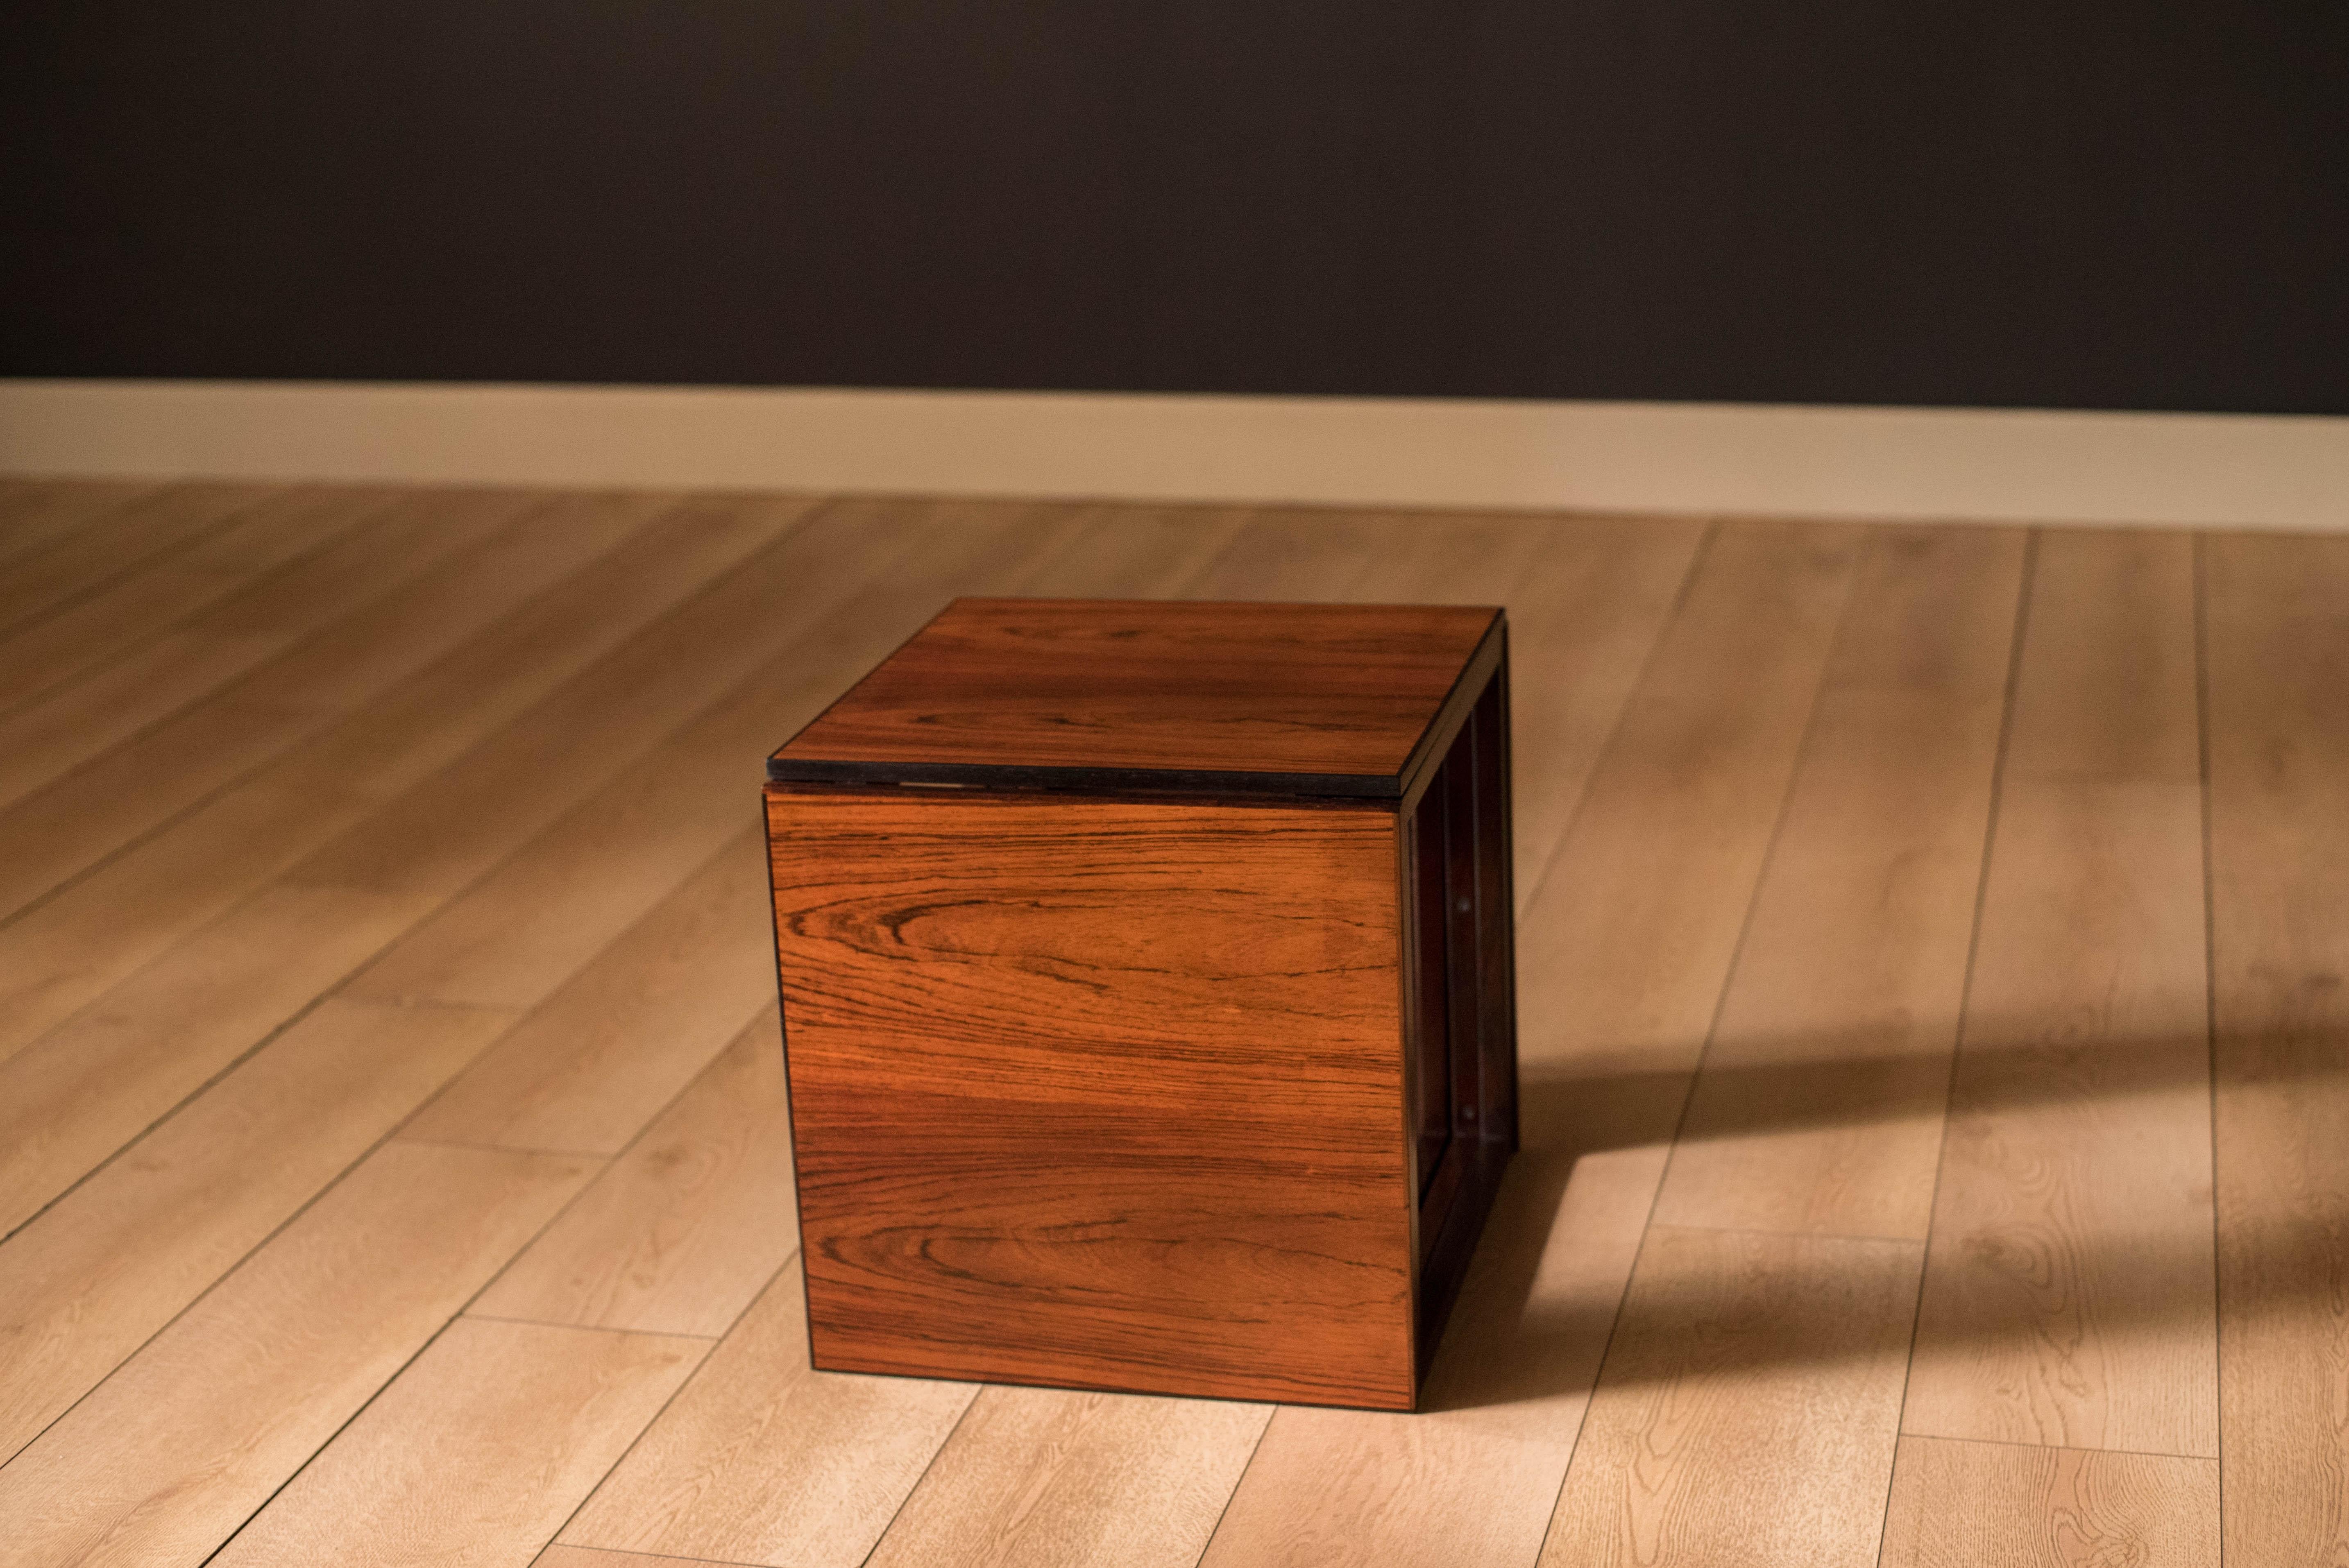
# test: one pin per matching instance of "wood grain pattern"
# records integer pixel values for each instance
(681, 1232)
(328, 717)
(1375, 558)
(763, 1461)
(1131, 552)
(2068, 1299)
(276, 528)
(1318, 689)
(169, 1455)
(1618, 987)
(2070, 1291)
(1818, 1108)
(1224, 1211)
(1035, 1477)
(1333, 556)
(617, 1041)
(2002, 1505)
(67, 951)
(2277, 631)
(89, 1087)
(34, 512)
(85, 1285)
(248, 634)
(2107, 691)
(113, 544)
(1749, 1406)
(1583, 622)
(475, 1454)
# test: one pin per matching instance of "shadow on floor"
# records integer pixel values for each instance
(1509, 1343)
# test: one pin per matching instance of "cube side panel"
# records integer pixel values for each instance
(1097, 1092)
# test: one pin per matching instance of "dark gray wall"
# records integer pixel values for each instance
(2114, 205)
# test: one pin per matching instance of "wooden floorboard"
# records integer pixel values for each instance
(86, 1283)
(2068, 1295)
(79, 564)
(34, 512)
(2002, 1505)
(394, 1160)
(687, 1225)
(627, 1031)
(762, 1460)
(475, 1453)
(194, 1432)
(400, 658)
(1818, 1107)
(1749, 1404)
(280, 630)
(273, 531)
(1038, 1477)
(2277, 642)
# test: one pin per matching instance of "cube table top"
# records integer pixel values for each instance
(1158, 694)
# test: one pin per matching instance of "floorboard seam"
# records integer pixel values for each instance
(123, 572)
(154, 830)
(1237, 1481)
(1688, 573)
(473, 1316)
(331, 534)
(675, 1394)
(1721, 997)
(601, 1158)
(1791, 1236)
(2210, 1014)
(2064, 1447)
(899, 1511)
(1965, 994)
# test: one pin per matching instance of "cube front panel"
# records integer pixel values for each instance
(1103, 1093)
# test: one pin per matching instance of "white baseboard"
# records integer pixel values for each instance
(2215, 471)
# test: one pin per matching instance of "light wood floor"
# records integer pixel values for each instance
(1932, 946)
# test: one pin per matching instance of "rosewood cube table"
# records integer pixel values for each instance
(1147, 990)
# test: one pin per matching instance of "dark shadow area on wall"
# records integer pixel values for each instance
(2062, 205)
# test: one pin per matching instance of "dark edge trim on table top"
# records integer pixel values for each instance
(1088, 780)
(1449, 714)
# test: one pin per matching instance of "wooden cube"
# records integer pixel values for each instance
(1147, 991)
